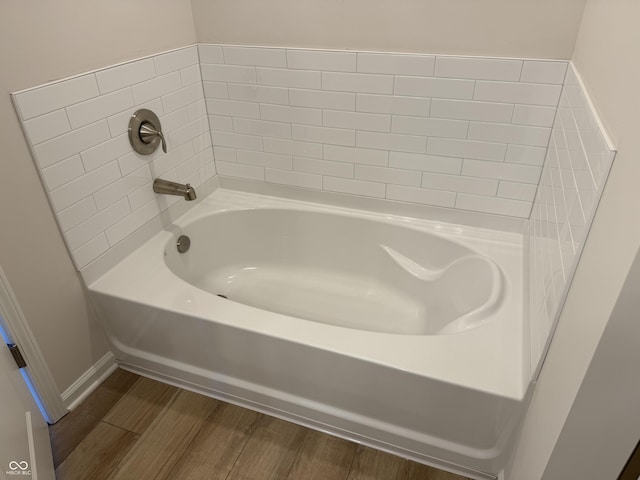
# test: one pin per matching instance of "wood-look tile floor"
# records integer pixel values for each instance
(132, 427)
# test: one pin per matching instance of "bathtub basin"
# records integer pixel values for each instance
(340, 270)
(399, 333)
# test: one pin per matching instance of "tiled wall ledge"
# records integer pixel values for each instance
(462, 132)
(487, 221)
(574, 174)
(99, 188)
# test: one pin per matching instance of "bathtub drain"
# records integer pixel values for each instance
(220, 295)
(183, 243)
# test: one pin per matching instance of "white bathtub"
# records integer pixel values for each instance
(403, 334)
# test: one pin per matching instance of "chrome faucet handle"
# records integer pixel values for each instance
(145, 132)
(148, 133)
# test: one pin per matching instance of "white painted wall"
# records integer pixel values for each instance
(599, 317)
(608, 398)
(519, 28)
(33, 256)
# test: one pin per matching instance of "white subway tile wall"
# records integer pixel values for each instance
(436, 130)
(99, 188)
(466, 133)
(575, 170)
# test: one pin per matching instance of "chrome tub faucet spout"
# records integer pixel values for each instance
(173, 188)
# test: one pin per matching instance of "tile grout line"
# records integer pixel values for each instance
(120, 399)
(160, 414)
(251, 430)
(186, 449)
(295, 460)
(159, 477)
(138, 436)
(353, 459)
(102, 420)
(123, 456)
(298, 452)
(98, 421)
(356, 455)
(126, 454)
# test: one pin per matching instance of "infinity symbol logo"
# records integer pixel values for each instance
(13, 465)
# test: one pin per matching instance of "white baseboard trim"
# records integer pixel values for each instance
(89, 381)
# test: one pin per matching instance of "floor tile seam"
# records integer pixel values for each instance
(163, 411)
(295, 461)
(117, 464)
(141, 439)
(298, 451)
(120, 399)
(191, 434)
(158, 413)
(356, 455)
(61, 460)
(111, 389)
(353, 459)
(406, 469)
(180, 446)
(139, 434)
(115, 467)
(250, 431)
(298, 447)
(193, 438)
(93, 422)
